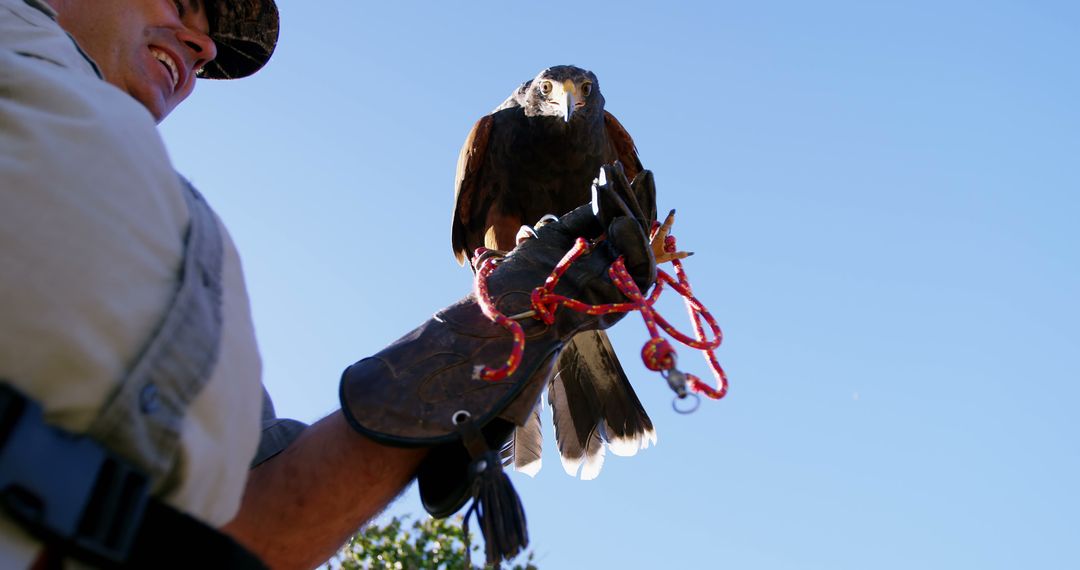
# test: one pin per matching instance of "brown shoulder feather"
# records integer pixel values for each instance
(469, 162)
(624, 146)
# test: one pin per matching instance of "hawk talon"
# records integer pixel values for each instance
(482, 257)
(659, 239)
(528, 232)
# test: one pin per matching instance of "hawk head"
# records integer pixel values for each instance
(564, 91)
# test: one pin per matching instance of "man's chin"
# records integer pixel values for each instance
(154, 102)
(160, 110)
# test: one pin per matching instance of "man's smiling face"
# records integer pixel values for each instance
(149, 48)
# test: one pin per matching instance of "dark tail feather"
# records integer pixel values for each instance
(571, 443)
(626, 428)
(525, 445)
(592, 402)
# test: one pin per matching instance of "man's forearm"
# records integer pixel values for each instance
(301, 505)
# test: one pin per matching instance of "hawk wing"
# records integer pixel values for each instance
(627, 154)
(624, 146)
(468, 214)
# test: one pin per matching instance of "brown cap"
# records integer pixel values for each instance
(245, 32)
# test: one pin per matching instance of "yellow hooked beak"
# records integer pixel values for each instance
(568, 100)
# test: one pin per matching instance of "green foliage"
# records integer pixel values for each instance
(428, 544)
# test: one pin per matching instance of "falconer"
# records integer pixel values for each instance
(134, 429)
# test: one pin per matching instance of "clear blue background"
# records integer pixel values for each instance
(883, 201)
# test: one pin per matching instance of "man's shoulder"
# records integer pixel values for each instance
(29, 28)
(30, 10)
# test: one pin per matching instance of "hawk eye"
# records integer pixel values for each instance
(545, 88)
(586, 89)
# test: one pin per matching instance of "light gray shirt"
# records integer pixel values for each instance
(92, 226)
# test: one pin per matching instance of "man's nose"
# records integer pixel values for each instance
(203, 49)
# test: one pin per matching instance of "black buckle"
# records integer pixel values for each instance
(66, 489)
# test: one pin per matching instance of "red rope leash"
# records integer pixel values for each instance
(657, 354)
(491, 312)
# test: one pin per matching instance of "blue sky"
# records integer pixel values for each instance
(883, 198)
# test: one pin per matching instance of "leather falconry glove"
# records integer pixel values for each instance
(423, 390)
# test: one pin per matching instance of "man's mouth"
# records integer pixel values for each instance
(169, 63)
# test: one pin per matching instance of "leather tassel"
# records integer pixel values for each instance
(498, 511)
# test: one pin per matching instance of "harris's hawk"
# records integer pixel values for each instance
(537, 154)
